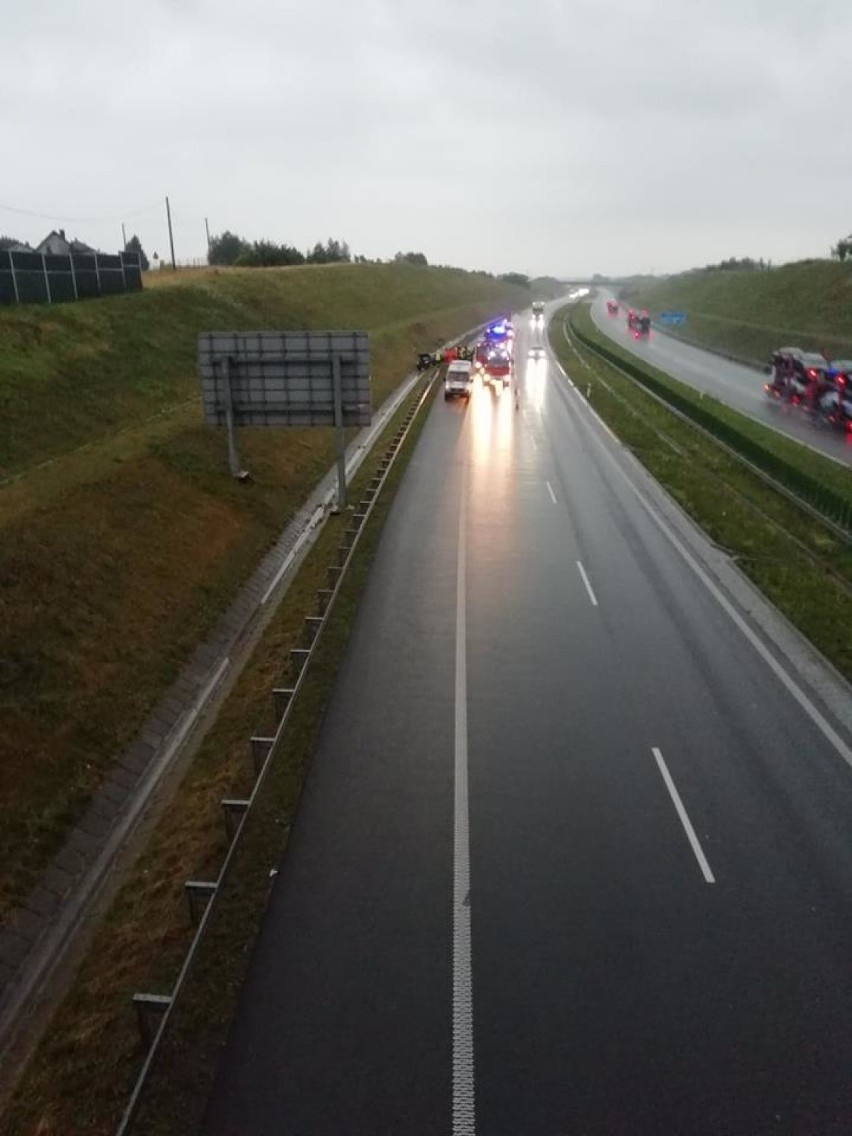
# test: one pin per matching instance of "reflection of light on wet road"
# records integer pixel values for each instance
(535, 383)
(492, 407)
(493, 520)
(493, 419)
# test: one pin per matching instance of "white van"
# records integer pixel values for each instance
(459, 379)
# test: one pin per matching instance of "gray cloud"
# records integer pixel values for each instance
(545, 137)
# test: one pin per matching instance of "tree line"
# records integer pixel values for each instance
(230, 249)
(739, 264)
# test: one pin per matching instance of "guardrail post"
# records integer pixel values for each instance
(260, 748)
(281, 696)
(324, 598)
(313, 623)
(150, 1008)
(233, 809)
(198, 894)
(334, 572)
(298, 658)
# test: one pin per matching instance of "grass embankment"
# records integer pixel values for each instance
(750, 314)
(121, 536)
(798, 563)
(79, 1080)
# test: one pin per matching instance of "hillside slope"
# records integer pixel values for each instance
(749, 314)
(73, 373)
(122, 538)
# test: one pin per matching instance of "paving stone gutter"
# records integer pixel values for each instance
(40, 934)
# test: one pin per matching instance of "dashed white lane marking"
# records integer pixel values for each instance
(684, 817)
(550, 491)
(589, 589)
(822, 724)
(464, 1118)
(820, 721)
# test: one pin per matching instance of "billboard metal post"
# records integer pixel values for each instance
(233, 456)
(338, 430)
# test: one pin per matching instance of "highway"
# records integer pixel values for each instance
(573, 856)
(734, 384)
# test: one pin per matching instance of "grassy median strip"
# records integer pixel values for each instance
(80, 1078)
(797, 562)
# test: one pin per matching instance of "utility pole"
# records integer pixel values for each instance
(123, 237)
(171, 237)
(207, 227)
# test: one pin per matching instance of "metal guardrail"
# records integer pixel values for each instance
(155, 1011)
(819, 501)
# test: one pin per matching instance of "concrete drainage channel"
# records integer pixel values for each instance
(154, 1011)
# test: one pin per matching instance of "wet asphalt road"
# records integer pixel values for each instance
(736, 385)
(574, 856)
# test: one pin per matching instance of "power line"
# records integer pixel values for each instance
(79, 220)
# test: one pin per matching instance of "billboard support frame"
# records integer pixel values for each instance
(237, 472)
(340, 439)
(286, 378)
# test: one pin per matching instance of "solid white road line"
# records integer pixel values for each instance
(684, 818)
(463, 1083)
(550, 491)
(792, 687)
(592, 595)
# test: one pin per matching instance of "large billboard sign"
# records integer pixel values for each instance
(285, 378)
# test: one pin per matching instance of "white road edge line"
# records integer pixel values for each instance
(813, 713)
(592, 595)
(464, 1116)
(684, 818)
(550, 491)
(819, 720)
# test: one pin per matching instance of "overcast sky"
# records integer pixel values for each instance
(543, 136)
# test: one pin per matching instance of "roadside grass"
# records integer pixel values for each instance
(178, 1092)
(118, 555)
(79, 1079)
(750, 314)
(821, 471)
(74, 373)
(799, 564)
